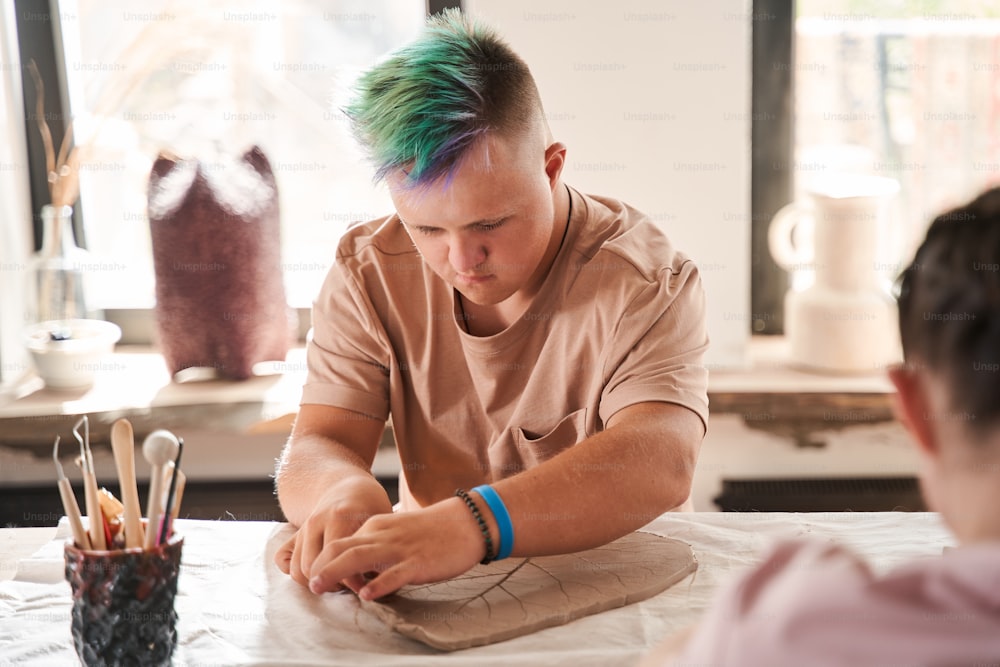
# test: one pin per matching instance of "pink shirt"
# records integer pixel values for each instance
(815, 604)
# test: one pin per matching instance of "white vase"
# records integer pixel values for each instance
(846, 321)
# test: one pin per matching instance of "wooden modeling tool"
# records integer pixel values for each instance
(123, 446)
(168, 508)
(94, 513)
(69, 503)
(160, 447)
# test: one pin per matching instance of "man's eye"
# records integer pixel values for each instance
(486, 227)
(428, 231)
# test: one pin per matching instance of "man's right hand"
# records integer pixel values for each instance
(324, 483)
(338, 514)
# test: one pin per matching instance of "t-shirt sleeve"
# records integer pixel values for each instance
(658, 347)
(348, 354)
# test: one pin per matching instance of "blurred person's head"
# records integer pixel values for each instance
(948, 390)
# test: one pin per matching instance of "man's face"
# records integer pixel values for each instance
(486, 232)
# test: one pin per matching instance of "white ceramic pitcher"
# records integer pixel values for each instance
(846, 321)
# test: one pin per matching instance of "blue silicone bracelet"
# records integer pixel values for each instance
(502, 517)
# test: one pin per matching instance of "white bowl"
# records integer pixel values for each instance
(67, 353)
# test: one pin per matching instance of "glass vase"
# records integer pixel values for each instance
(56, 272)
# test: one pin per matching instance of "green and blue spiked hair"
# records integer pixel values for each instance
(423, 107)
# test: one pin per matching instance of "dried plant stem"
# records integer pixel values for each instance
(62, 172)
(61, 158)
(72, 185)
(43, 126)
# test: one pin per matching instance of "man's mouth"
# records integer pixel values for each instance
(473, 279)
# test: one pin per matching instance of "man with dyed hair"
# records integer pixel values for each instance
(537, 349)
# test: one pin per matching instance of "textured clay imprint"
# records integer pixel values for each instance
(492, 603)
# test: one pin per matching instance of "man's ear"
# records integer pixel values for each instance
(913, 409)
(555, 160)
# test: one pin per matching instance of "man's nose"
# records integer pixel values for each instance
(466, 254)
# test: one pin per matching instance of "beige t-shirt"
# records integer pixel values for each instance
(620, 320)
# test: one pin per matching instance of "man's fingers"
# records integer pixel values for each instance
(350, 563)
(386, 583)
(313, 546)
(283, 556)
(294, 563)
(355, 582)
(307, 546)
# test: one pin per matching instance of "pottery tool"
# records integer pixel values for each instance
(168, 473)
(123, 446)
(69, 503)
(168, 508)
(94, 513)
(160, 447)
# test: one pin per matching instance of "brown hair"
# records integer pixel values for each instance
(949, 307)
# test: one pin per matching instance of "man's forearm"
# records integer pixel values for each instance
(605, 486)
(591, 494)
(316, 469)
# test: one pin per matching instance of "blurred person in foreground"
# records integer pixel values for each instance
(815, 603)
(539, 350)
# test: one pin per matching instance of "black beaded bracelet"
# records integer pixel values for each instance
(461, 493)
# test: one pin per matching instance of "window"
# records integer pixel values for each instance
(906, 90)
(207, 78)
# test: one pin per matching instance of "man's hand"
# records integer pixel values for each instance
(324, 483)
(337, 515)
(648, 449)
(427, 545)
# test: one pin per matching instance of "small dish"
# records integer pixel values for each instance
(68, 353)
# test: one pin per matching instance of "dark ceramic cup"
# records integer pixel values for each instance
(123, 603)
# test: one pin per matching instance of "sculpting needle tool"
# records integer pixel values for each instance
(69, 503)
(90, 486)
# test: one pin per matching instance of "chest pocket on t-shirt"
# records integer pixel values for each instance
(536, 448)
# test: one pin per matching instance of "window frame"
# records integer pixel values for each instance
(772, 141)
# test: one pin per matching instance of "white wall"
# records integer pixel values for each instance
(653, 100)
(15, 207)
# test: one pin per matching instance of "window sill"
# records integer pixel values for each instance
(235, 430)
(772, 389)
(232, 430)
(134, 381)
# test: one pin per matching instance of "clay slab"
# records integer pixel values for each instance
(492, 603)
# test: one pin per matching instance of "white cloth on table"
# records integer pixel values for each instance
(236, 608)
